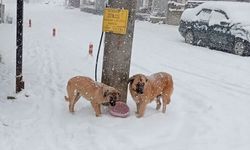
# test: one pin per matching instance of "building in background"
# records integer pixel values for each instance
(93, 6)
(174, 11)
(146, 6)
(74, 3)
(155, 11)
(226, 0)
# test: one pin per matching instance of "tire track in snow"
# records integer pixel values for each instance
(53, 96)
(51, 105)
(223, 84)
(47, 92)
(178, 130)
(199, 104)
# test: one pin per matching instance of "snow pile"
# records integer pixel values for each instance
(175, 6)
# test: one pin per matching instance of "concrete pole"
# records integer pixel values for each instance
(117, 51)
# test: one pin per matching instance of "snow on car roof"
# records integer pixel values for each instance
(236, 11)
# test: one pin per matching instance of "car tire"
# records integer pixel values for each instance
(239, 47)
(189, 37)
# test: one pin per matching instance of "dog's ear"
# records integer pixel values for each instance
(131, 80)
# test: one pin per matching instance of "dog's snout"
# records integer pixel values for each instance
(140, 88)
(112, 101)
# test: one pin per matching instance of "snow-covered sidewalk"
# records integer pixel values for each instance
(209, 108)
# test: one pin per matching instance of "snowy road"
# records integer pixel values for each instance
(209, 108)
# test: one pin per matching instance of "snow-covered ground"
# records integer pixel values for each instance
(209, 108)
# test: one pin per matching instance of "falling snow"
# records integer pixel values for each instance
(209, 108)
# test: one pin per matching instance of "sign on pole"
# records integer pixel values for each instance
(115, 20)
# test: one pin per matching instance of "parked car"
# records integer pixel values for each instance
(219, 25)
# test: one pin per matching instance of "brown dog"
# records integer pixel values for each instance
(145, 89)
(95, 92)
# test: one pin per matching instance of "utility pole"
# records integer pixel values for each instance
(1, 12)
(117, 51)
(150, 5)
(19, 45)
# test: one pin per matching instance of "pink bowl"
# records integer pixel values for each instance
(120, 109)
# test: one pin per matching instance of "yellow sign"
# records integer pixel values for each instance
(115, 20)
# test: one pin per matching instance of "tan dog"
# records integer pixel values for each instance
(95, 92)
(145, 89)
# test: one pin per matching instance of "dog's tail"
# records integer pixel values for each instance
(66, 98)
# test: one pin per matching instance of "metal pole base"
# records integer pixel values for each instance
(19, 84)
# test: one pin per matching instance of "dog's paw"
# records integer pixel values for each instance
(98, 115)
(138, 116)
